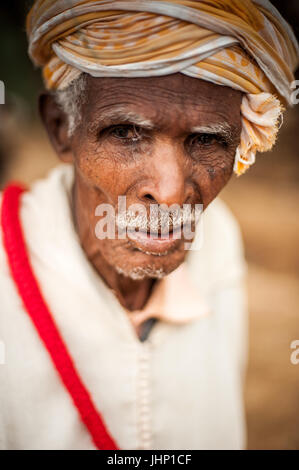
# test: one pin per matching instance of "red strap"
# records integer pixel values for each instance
(35, 305)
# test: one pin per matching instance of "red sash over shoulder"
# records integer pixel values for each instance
(37, 309)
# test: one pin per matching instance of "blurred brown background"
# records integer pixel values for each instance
(265, 201)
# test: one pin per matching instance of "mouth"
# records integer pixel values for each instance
(157, 244)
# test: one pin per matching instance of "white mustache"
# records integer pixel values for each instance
(159, 220)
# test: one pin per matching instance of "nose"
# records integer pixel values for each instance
(167, 181)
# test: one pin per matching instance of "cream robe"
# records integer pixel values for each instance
(180, 389)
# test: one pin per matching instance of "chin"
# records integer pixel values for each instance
(139, 265)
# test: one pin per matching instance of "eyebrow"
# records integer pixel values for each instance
(222, 129)
(121, 115)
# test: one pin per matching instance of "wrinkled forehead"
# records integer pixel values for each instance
(165, 101)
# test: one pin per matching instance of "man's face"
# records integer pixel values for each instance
(163, 140)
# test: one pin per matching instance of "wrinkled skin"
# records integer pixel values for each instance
(168, 164)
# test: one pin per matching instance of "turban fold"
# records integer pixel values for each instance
(243, 44)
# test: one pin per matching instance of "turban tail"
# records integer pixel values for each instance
(243, 44)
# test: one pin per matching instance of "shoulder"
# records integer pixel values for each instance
(37, 205)
(223, 229)
(4, 271)
(219, 257)
(10, 302)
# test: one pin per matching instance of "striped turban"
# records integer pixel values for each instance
(243, 44)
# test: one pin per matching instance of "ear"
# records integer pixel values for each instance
(56, 124)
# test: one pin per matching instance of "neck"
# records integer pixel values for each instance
(132, 294)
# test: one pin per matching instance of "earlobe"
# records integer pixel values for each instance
(56, 124)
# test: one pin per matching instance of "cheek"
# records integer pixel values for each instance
(212, 175)
(105, 168)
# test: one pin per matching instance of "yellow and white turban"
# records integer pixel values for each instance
(244, 44)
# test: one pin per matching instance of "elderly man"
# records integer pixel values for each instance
(128, 339)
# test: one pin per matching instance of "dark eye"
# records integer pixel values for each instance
(203, 139)
(125, 132)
